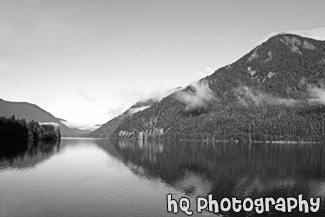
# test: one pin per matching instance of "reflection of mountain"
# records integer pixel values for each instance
(226, 170)
(28, 155)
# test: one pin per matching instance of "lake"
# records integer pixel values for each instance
(98, 177)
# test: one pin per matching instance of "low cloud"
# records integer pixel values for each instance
(198, 97)
(80, 126)
(138, 109)
(116, 111)
(247, 96)
(160, 93)
(317, 94)
(50, 123)
(157, 93)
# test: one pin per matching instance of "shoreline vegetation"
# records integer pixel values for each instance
(232, 139)
(19, 130)
(272, 94)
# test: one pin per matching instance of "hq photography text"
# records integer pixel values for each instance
(259, 205)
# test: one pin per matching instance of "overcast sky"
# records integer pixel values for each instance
(86, 61)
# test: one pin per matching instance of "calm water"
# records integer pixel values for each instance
(86, 177)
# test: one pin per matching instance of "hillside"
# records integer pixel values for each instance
(30, 112)
(275, 92)
(108, 128)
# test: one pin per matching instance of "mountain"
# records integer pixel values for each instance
(30, 112)
(274, 92)
(108, 128)
(105, 130)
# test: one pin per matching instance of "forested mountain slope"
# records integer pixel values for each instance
(30, 112)
(275, 92)
(108, 128)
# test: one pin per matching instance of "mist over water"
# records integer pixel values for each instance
(88, 177)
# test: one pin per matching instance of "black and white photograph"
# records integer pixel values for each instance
(148, 108)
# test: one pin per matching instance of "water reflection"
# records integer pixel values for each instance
(227, 170)
(26, 155)
(94, 177)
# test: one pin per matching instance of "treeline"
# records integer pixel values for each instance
(12, 129)
(303, 122)
(278, 105)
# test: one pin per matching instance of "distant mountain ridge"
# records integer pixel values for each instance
(105, 130)
(26, 110)
(274, 92)
(30, 112)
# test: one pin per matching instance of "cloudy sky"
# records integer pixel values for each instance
(87, 61)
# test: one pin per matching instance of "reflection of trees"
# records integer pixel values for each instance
(27, 154)
(149, 149)
(226, 170)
